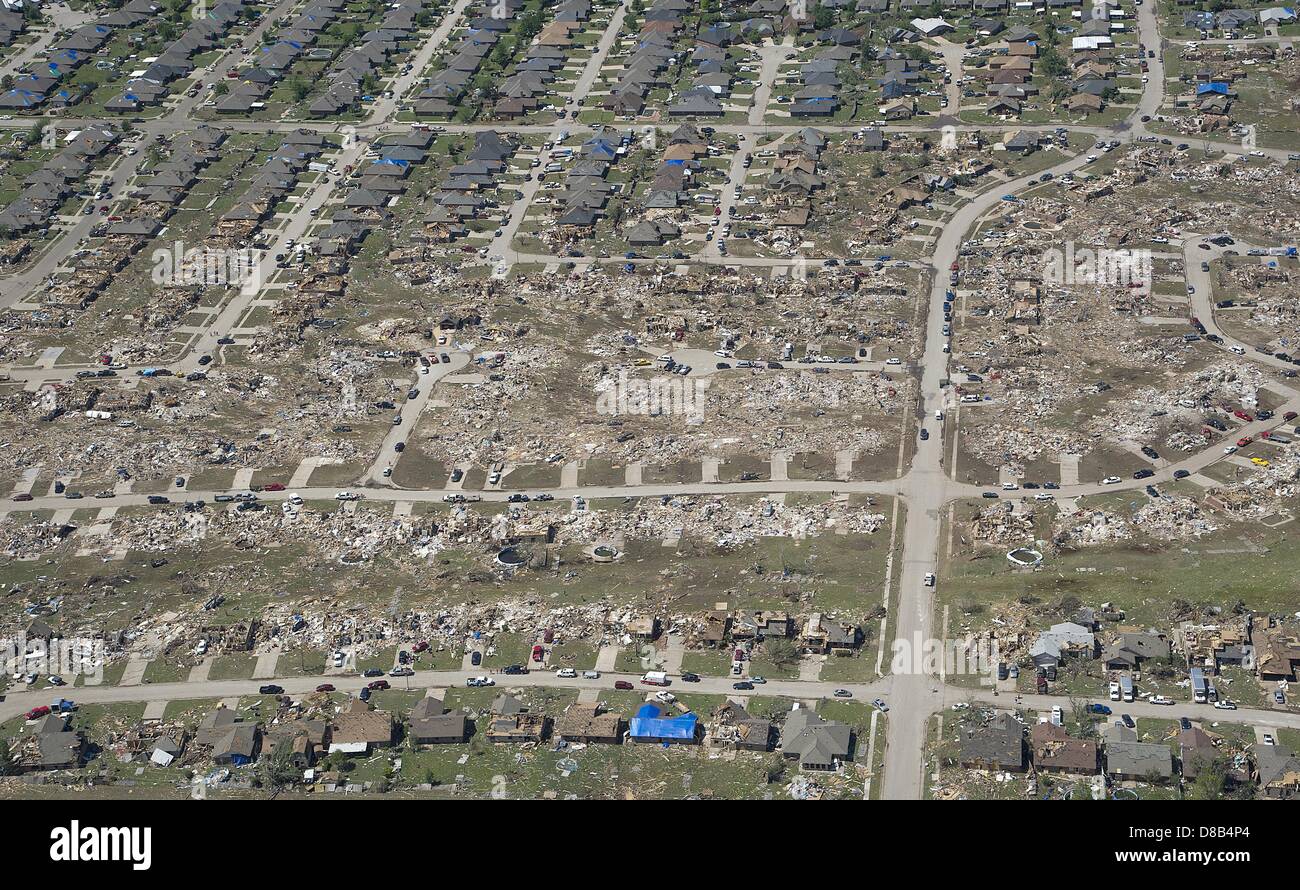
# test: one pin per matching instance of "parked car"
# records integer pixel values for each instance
(270, 689)
(379, 684)
(325, 687)
(843, 693)
(624, 685)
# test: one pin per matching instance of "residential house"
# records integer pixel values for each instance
(818, 744)
(997, 746)
(1055, 751)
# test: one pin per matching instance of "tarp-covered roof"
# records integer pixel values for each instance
(650, 724)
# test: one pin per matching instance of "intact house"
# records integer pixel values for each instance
(818, 744)
(233, 741)
(432, 724)
(1129, 650)
(1129, 759)
(359, 729)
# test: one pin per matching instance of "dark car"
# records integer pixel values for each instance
(1144, 474)
(23, 496)
(623, 684)
(373, 672)
(514, 669)
(399, 447)
(159, 499)
(1181, 474)
(989, 494)
(743, 684)
(457, 475)
(205, 360)
(1128, 721)
(270, 689)
(476, 658)
(378, 684)
(688, 677)
(325, 687)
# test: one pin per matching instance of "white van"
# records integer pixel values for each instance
(591, 675)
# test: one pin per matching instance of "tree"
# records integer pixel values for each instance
(782, 653)
(1210, 781)
(277, 769)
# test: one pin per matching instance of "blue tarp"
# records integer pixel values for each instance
(1214, 87)
(649, 724)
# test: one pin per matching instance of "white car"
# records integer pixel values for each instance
(893, 361)
(566, 673)
(1268, 739)
(1009, 486)
(347, 496)
(665, 697)
(1042, 496)
(1161, 700)
(1231, 449)
(480, 681)
(929, 579)
(1238, 350)
(1058, 715)
(1225, 705)
(1110, 480)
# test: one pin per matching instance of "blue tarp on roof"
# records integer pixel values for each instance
(1215, 87)
(648, 724)
(392, 162)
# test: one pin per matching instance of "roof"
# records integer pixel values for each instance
(998, 744)
(815, 740)
(583, 720)
(650, 723)
(1139, 759)
(358, 724)
(1054, 748)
